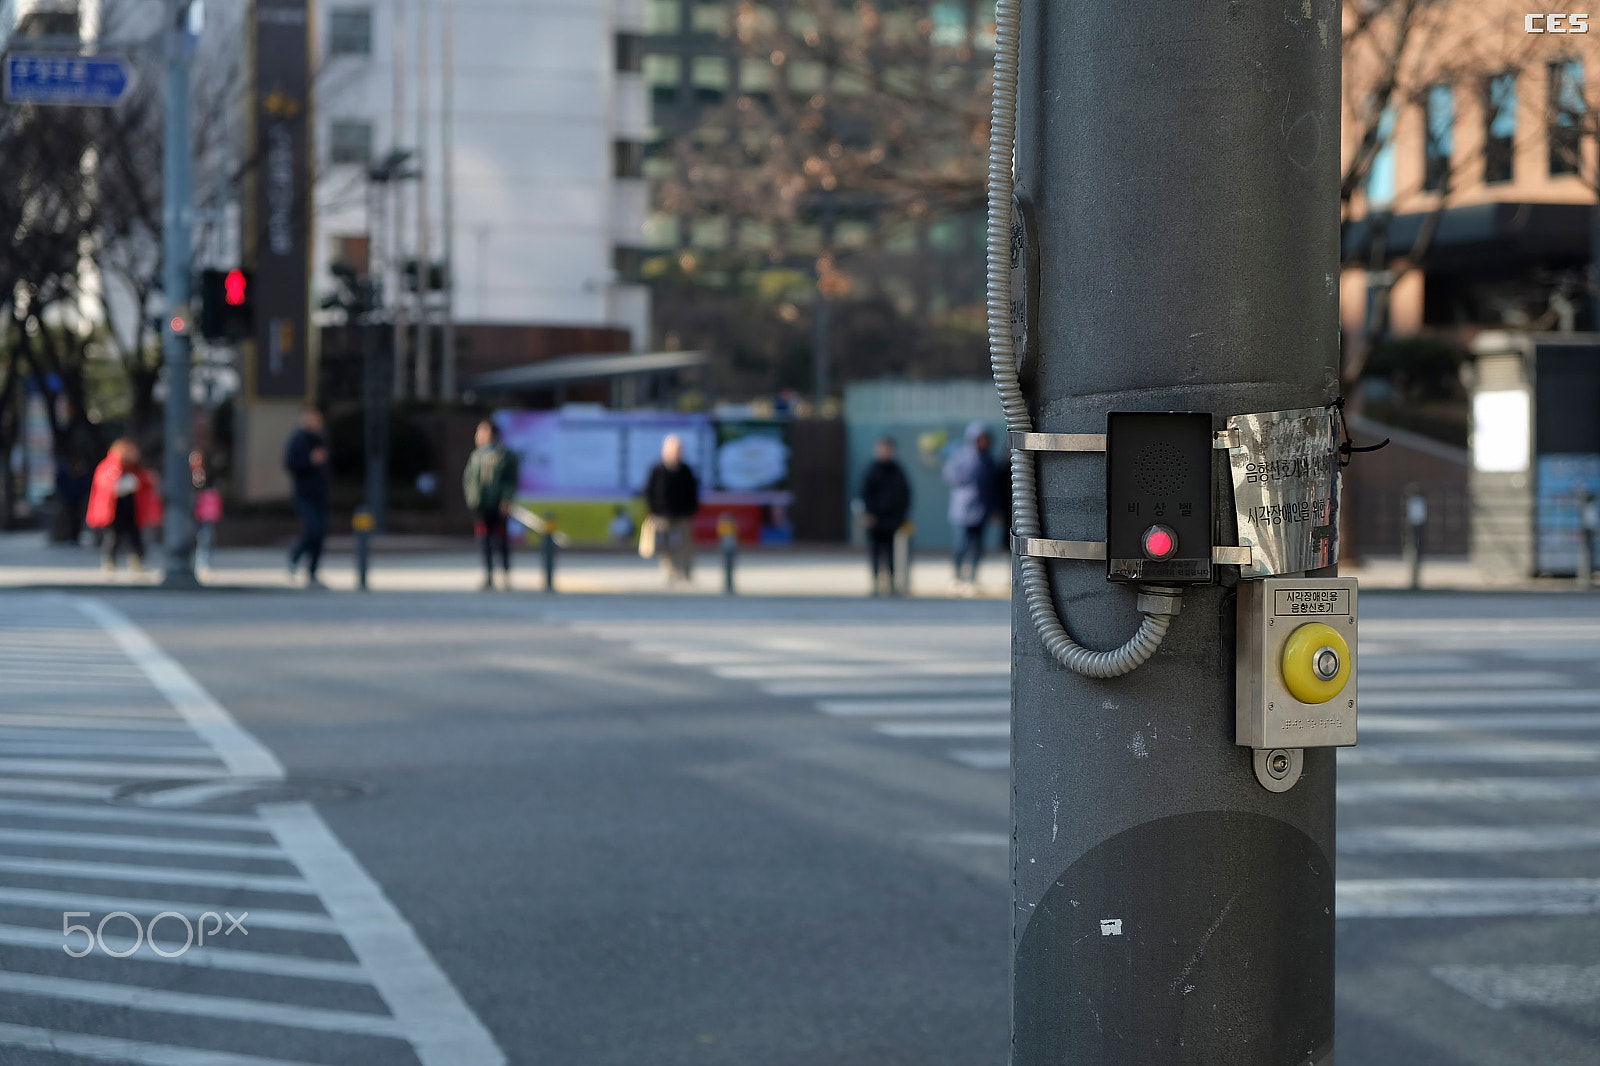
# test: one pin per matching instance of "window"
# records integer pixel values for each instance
(709, 17)
(1500, 104)
(1566, 116)
(1380, 179)
(353, 253)
(807, 75)
(1438, 136)
(756, 235)
(663, 74)
(350, 141)
(661, 230)
(627, 159)
(350, 31)
(949, 24)
(709, 232)
(629, 264)
(709, 77)
(984, 31)
(630, 52)
(851, 83)
(945, 234)
(664, 16)
(756, 75)
(852, 233)
(658, 161)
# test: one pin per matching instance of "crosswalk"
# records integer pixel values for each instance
(136, 933)
(1471, 794)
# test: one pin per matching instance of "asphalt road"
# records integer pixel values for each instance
(689, 830)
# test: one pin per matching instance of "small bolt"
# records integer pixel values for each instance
(1278, 764)
(1352, 703)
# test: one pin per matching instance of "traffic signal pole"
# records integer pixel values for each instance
(177, 213)
(1177, 171)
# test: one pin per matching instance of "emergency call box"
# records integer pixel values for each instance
(1158, 497)
(1296, 670)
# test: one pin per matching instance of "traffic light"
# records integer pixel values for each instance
(227, 310)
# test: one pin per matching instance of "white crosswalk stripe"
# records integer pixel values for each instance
(88, 704)
(1469, 730)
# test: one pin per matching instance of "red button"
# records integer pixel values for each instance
(1160, 542)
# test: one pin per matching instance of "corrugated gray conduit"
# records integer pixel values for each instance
(1024, 494)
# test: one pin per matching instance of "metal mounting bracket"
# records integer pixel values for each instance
(1278, 769)
(1093, 550)
(1057, 442)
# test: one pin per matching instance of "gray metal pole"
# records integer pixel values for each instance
(1180, 183)
(397, 253)
(424, 376)
(177, 221)
(447, 162)
(821, 356)
(375, 406)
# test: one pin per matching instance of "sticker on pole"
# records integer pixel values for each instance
(1285, 467)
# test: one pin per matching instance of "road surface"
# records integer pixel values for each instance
(673, 830)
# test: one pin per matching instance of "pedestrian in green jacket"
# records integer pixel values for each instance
(490, 485)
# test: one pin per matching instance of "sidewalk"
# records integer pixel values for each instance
(439, 565)
(25, 560)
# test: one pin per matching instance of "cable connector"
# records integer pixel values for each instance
(1160, 600)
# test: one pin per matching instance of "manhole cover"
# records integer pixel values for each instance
(237, 793)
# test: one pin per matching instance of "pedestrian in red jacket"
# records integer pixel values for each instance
(123, 500)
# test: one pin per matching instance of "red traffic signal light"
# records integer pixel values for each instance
(226, 305)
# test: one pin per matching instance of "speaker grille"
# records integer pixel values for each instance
(1160, 469)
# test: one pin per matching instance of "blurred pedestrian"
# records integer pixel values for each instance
(75, 465)
(207, 510)
(1000, 497)
(306, 459)
(886, 500)
(672, 496)
(971, 473)
(490, 485)
(123, 501)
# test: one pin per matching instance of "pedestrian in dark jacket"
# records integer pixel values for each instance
(672, 496)
(490, 485)
(886, 500)
(306, 459)
(971, 474)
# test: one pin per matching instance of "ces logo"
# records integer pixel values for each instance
(1556, 23)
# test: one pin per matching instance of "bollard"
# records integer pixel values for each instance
(547, 548)
(1416, 516)
(1588, 524)
(901, 586)
(361, 524)
(728, 534)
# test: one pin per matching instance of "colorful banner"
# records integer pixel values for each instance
(587, 466)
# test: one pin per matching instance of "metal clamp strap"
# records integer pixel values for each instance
(1059, 549)
(1093, 550)
(1057, 442)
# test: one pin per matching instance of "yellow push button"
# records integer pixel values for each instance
(1316, 663)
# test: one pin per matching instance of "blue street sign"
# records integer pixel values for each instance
(81, 81)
